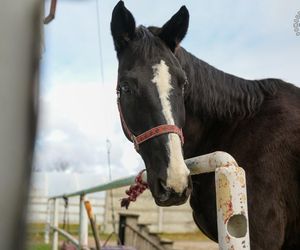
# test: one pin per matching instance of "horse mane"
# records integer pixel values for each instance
(146, 44)
(216, 94)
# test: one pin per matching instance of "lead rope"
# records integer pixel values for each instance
(135, 190)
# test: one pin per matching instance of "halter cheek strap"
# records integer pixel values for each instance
(149, 134)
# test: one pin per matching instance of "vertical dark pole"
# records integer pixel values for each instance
(122, 223)
(20, 26)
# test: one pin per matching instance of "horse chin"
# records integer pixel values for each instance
(171, 202)
(170, 198)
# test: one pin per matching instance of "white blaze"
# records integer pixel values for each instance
(177, 171)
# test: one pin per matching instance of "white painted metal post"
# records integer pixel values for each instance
(105, 214)
(160, 219)
(47, 225)
(231, 197)
(232, 209)
(55, 224)
(83, 225)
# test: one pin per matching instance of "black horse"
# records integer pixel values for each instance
(257, 122)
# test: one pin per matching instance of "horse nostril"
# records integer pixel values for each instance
(165, 194)
(163, 185)
(164, 197)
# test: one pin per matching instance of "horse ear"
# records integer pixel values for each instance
(175, 29)
(122, 26)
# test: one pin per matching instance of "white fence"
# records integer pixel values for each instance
(37, 212)
(231, 198)
(170, 220)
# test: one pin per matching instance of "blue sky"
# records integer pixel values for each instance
(251, 39)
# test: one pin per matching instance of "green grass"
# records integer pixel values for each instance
(35, 236)
(38, 246)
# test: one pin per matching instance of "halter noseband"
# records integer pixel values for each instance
(149, 134)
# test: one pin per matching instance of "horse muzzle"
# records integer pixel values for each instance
(168, 197)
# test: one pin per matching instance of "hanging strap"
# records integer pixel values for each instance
(66, 214)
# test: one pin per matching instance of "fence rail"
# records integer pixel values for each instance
(107, 186)
(226, 171)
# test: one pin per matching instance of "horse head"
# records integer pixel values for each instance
(150, 90)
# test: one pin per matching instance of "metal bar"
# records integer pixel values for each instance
(55, 224)
(197, 165)
(51, 14)
(89, 210)
(105, 213)
(209, 162)
(47, 225)
(232, 210)
(110, 185)
(66, 235)
(83, 225)
(160, 218)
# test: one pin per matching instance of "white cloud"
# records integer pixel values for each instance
(75, 121)
(56, 136)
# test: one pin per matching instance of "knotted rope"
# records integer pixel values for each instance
(135, 190)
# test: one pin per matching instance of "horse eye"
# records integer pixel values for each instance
(125, 88)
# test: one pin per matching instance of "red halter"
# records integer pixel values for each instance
(149, 134)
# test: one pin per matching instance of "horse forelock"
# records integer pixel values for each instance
(145, 44)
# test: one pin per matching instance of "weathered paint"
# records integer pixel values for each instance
(47, 225)
(83, 224)
(231, 199)
(224, 197)
(55, 224)
(209, 162)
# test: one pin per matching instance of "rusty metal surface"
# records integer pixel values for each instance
(232, 210)
(209, 162)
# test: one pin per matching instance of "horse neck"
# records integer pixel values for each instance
(216, 102)
(216, 95)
